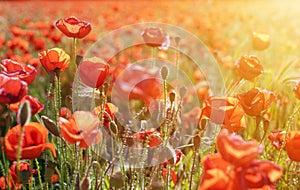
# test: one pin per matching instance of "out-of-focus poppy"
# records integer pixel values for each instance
(156, 37)
(151, 135)
(296, 89)
(36, 106)
(34, 141)
(292, 145)
(235, 150)
(65, 113)
(277, 138)
(93, 72)
(203, 92)
(39, 44)
(173, 174)
(14, 69)
(260, 41)
(260, 174)
(256, 100)
(12, 89)
(226, 111)
(14, 181)
(249, 67)
(54, 59)
(73, 27)
(138, 83)
(110, 110)
(217, 173)
(81, 128)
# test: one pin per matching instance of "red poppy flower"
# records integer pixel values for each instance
(226, 111)
(14, 69)
(12, 89)
(277, 138)
(260, 174)
(156, 37)
(292, 145)
(15, 180)
(138, 83)
(81, 128)
(249, 67)
(54, 59)
(33, 144)
(235, 150)
(73, 27)
(110, 110)
(93, 72)
(256, 101)
(36, 106)
(151, 135)
(65, 113)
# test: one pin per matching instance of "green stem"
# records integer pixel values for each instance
(20, 145)
(39, 173)
(192, 170)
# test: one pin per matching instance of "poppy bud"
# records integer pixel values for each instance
(164, 72)
(172, 96)
(24, 113)
(197, 141)
(50, 125)
(85, 184)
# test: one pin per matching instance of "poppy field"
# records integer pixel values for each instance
(149, 95)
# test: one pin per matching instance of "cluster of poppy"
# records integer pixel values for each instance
(235, 166)
(14, 81)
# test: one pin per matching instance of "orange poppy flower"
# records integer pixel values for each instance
(235, 150)
(260, 41)
(256, 100)
(81, 128)
(277, 138)
(155, 37)
(36, 106)
(33, 144)
(12, 89)
(297, 90)
(249, 67)
(151, 135)
(93, 72)
(217, 173)
(292, 145)
(226, 111)
(54, 59)
(14, 69)
(73, 27)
